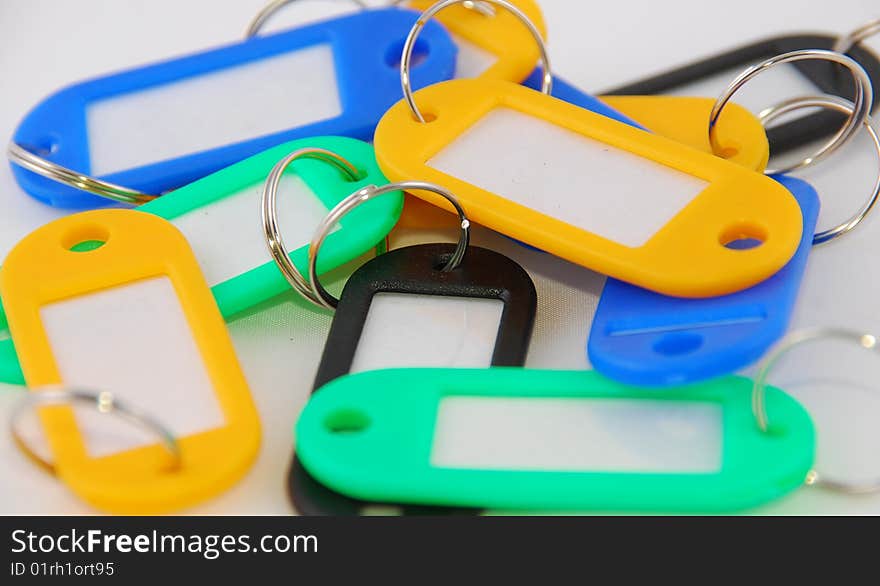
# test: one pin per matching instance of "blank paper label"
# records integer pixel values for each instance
(134, 342)
(423, 331)
(602, 435)
(213, 110)
(589, 184)
(227, 236)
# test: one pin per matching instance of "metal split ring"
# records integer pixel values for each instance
(274, 240)
(863, 101)
(845, 107)
(102, 402)
(26, 159)
(269, 11)
(759, 408)
(846, 43)
(409, 46)
(363, 195)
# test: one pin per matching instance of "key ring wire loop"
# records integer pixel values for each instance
(270, 9)
(363, 195)
(847, 42)
(409, 47)
(845, 107)
(103, 402)
(759, 407)
(274, 239)
(863, 102)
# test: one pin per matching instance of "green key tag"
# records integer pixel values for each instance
(220, 217)
(372, 436)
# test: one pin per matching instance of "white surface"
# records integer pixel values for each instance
(101, 340)
(573, 435)
(472, 60)
(263, 97)
(227, 236)
(422, 331)
(583, 182)
(593, 46)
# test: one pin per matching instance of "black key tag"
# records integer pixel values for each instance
(829, 78)
(448, 319)
(430, 305)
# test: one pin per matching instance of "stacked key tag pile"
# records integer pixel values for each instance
(117, 312)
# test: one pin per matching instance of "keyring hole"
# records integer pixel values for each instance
(743, 237)
(678, 343)
(85, 239)
(45, 147)
(420, 53)
(728, 152)
(345, 421)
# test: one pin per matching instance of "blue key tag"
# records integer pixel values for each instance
(643, 338)
(336, 77)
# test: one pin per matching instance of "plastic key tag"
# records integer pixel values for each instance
(644, 338)
(815, 75)
(400, 310)
(114, 301)
(445, 437)
(336, 77)
(650, 211)
(237, 266)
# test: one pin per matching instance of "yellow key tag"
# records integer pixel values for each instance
(491, 46)
(685, 119)
(682, 119)
(633, 205)
(114, 301)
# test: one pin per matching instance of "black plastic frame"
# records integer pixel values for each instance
(828, 77)
(483, 274)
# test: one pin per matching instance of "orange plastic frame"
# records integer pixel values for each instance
(42, 270)
(685, 258)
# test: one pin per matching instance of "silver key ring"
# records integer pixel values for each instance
(409, 46)
(846, 43)
(22, 157)
(274, 240)
(845, 107)
(363, 195)
(32, 162)
(863, 101)
(479, 6)
(759, 408)
(103, 403)
(269, 11)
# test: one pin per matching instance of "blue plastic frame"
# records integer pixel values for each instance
(677, 341)
(368, 85)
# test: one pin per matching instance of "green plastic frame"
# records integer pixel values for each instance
(359, 231)
(363, 228)
(385, 457)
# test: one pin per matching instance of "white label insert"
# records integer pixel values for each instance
(134, 342)
(569, 435)
(421, 331)
(213, 110)
(583, 182)
(227, 236)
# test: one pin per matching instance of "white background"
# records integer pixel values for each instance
(45, 44)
